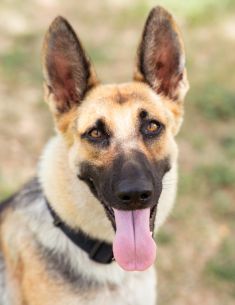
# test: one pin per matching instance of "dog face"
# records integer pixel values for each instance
(120, 138)
(124, 146)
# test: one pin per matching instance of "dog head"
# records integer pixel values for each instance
(120, 138)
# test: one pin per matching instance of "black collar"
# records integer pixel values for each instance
(97, 250)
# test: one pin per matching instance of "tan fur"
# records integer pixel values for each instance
(102, 102)
(76, 105)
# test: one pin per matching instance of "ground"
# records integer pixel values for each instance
(196, 253)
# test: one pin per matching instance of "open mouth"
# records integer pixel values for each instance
(110, 214)
(133, 246)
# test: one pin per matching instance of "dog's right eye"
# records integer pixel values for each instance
(95, 133)
(97, 136)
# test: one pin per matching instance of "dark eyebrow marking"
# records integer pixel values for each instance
(143, 114)
(100, 124)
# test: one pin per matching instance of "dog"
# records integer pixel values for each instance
(81, 232)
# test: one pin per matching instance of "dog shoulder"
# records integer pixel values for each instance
(13, 211)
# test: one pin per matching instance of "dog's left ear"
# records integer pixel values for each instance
(161, 57)
(67, 70)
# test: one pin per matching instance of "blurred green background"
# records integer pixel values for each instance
(196, 256)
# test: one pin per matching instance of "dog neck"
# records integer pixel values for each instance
(69, 197)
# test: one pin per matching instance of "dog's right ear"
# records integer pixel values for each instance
(67, 70)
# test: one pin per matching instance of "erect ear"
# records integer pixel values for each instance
(67, 70)
(161, 58)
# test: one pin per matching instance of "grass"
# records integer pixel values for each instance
(19, 64)
(205, 202)
(130, 15)
(216, 175)
(222, 266)
(99, 55)
(199, 12)
(193, 11)
(164, 237)
(228, 144)
(215, 102)
(207, 179)
(223, 204)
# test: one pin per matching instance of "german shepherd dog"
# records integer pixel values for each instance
(81, 231)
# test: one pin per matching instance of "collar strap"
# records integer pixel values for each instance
(97, 250)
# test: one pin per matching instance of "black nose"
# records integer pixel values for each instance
(129, 192)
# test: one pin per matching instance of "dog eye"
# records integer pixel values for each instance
(151, 128)
(98, 134)
(95, 133)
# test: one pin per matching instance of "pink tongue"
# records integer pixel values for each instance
(133, 247)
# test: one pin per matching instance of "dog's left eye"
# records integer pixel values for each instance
(151, 128)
